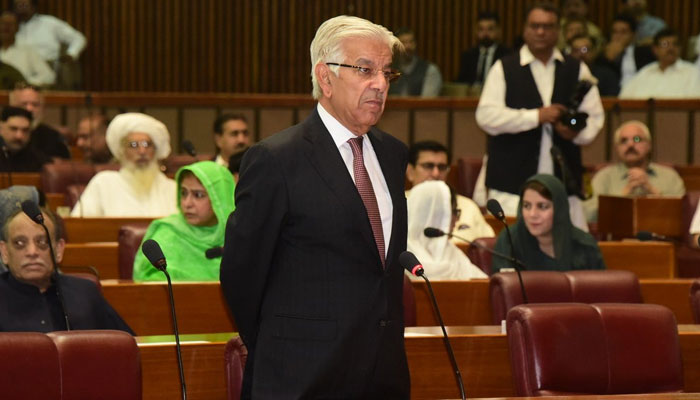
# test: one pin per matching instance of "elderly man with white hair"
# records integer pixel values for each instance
(139, 188)
(635, 174)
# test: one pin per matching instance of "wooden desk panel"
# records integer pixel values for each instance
(80, 230)
(103, 256)
(648, 260)
(145, 307)
(497, 225)
(20, 178)
(623, 217)
(672, 293)
(481, 352)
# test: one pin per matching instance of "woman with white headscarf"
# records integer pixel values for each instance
(430, 204)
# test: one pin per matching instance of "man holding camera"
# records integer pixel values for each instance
(524, 106)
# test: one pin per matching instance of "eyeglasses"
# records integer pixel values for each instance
(545, 27)
(368, 72)
(430, 166)
(135, 144)
(636, 139)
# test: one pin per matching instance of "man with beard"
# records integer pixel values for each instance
(477, 61)
(635, 174)
(91, 140)
(231, 135)
(419, 77)
(15, 131)
(139, 188)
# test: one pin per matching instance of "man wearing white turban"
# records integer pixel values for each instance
(139, 188)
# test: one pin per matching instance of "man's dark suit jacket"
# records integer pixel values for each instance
(469, 63)
(302, 275)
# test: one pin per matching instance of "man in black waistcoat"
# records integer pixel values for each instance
(475, 63)
(419, 77)
(520, 108)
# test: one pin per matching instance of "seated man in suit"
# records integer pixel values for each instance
(476, 62)
(92, 141)
(15, 130)
(430, 160)
(621, 54)
(231, 134)
(33, 297)
(635, 174)
(419, 77)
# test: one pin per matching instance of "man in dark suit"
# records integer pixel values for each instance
(621, 54)
(310, 269)
(476, 62)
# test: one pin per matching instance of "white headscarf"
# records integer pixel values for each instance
(124, 124)
(429, 205)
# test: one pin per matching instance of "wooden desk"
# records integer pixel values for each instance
(648, 260)
(481, 352)
(497, 225)
(146, 307)
(21, 178)
(101, 255)
(623, 217)
(690, 175)
(80, 230)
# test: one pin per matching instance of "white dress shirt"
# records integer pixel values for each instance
(628, 65)
(25, 60)
(341, 135)
(680, 80)
(46, 33)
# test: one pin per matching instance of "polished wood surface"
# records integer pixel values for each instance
(81, 230)
(481, 352)
(648, 260)
(20, 178)
(100, 255)
(624, 217)
(146, 306)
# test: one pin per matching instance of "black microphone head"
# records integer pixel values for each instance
(433, 232)
(214, 252)
(189, 148)
(495, 209)
(645, 236)
(151, 249)
(409, 261)
(32, 210)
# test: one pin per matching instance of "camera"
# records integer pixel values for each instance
(572, 118)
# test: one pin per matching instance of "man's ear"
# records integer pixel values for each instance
(410, 173)
(323, 78)
(60, 247)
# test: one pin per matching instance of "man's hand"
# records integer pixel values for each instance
(551, 114)
(564, 131)
(638, 177)
(613, 50)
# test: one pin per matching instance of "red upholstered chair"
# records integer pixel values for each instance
(170, 165)
(409, 303)
(585, 286)
(695, 300)
(466, 175)
(29, 367)
(98, 365)
(130, 237)
(235, 355)
(57, 176)
(687, 257)
(605, 349)
(73, 193)
(480, 257)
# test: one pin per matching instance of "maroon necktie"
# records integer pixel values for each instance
(364, 186)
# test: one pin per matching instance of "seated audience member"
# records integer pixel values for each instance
(10, 198)
(572, 28)
(91, 139)
(621, 54)
(45, 139)
(669, 77)
(577, 10)
(583, 48)
(28, 292)
(15, 130)
(230, 135)
(476, 62)
(430, 160)
(234, 162)
(431, 204)
(29, 63)
(419, 77)
(647, 25)
(139, 188)
(635, 174)
(543, 236)
(205, 200)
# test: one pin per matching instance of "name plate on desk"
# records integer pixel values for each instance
(624, 217)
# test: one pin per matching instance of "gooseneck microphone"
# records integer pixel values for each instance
(151, 249)
(435, 232)
(189, 148)
(8, 163)
(32, 210)
(409, 261)
(496, 210)
(645, 236)
(214, 252)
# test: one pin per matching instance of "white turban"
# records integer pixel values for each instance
(124, 124)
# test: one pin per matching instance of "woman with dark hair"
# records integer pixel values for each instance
(543, 236)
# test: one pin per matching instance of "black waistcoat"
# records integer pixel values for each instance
(514, 157)
(413, 81)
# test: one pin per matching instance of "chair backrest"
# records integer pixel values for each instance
(695, 300)
(585, 286)
(100, 364)
(29, 368)
(92, 277)
(479, 256)
(409, 303)
(57, 176)
(130, 237)
(235, 355)
(689, 204)
(467, 173)
(575, 348)
(73, 193)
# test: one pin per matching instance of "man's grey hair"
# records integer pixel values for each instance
(327, 45)
(644, 130)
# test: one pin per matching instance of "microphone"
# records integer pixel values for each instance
(646, 236)
(409, 262)
(8, 163)
(434, 233)
(214, 252)
(151, 249)
(496, 210)
(32, 210)
(189, 148)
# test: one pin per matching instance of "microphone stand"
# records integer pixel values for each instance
(177, 335)
(494, 252)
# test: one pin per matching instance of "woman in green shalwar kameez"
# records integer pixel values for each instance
(543, 236)
(205, 200)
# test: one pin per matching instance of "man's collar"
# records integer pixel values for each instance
(338, 131)
(526, 56)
